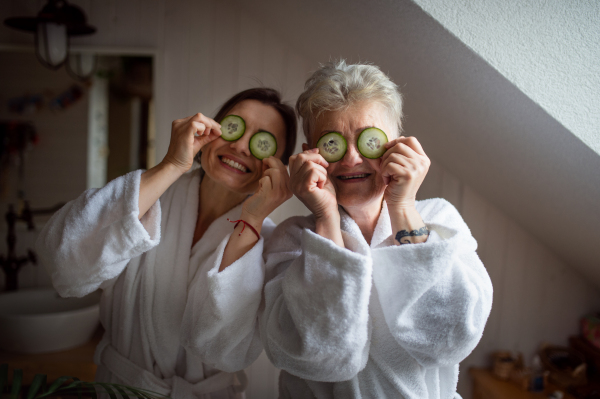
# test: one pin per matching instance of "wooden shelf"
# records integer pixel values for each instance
(76, 362)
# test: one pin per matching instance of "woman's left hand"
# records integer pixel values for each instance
(404, 167)
(273, 190)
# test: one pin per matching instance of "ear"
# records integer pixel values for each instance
(305, 147)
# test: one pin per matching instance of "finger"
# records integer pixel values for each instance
(276, 164)
(410, 141)
(400, 148)
(198, 128)
(211, 125)
(275, 176)
(273, 162)
(265, 183)
(397, 173)
(312, 173)
(392, 143)
(414, 144)
(397, 159)
(215, 127)
(307, 156)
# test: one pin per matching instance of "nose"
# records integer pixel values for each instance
(242, 145)
(352, 157)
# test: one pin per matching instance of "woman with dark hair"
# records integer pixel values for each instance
(181, 284)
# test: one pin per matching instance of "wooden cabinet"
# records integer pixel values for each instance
(76, 362)
(487, 386)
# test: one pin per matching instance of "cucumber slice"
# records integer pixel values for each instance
(371, 143)
(332, 146)
(232, 127)
(263, 145)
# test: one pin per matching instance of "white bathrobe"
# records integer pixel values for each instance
(373, 321)
(172, 321)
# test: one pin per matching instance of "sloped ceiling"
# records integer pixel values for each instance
(549, 49)
(470, 118)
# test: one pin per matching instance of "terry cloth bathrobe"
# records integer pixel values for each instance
(174, 325)
(373, 321)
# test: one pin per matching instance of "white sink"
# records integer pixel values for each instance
(40, 321)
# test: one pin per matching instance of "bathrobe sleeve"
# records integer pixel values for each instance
(314, 319)
(436, 296)
(91, 239)
(220, 323)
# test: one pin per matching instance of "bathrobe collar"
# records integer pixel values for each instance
(169, 265)
(353, 238)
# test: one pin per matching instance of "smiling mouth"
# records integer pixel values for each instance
(233, 164)
(352, 177)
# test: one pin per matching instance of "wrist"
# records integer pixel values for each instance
(328, 221)
(401, 210)
(253, 220)
(407, 225)
(171, 168)
(174, 166)
(328, 226)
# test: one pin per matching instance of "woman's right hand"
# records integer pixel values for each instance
(188, 136)
(309, 182)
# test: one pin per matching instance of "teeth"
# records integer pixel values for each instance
(233, 164)
(353, 177)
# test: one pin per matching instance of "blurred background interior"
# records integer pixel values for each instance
(503, 96)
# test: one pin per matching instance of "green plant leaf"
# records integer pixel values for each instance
(108, 390)
(93, 392)
(39, 381)
(16, 384)
(75, 383)
(56, 384)
(63, 386)
(122, 391)
(3, 376)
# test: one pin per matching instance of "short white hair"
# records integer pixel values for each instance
(336, 86)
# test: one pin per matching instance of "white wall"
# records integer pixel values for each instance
(537, 297)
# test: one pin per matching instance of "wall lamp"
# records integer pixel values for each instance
(53, 26)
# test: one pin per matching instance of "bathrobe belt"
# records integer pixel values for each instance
(175, 387)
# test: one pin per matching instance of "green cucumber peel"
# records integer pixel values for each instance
(263, 145)
(371, 143)
(332, 146)
(232, 127)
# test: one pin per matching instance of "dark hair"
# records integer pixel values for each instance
(270, 97)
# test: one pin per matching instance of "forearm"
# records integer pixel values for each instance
(407, 225)
(154, 182)
(328, 226)
(242, 240)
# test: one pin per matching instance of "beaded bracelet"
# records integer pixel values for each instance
(245, 224)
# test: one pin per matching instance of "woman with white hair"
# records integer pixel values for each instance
(375, 294)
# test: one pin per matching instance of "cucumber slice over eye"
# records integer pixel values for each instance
(371, 143)
(332, 146)
(263, 145)
(232, 127)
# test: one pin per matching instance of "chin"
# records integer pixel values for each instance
(237, 183)
(358, 200)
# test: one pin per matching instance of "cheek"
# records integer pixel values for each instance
(375, 164)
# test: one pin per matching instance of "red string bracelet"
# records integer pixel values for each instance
(245, 224)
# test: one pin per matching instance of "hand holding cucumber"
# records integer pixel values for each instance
(272, 191)
(404, 167)
(309, 182)
(188, 136)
